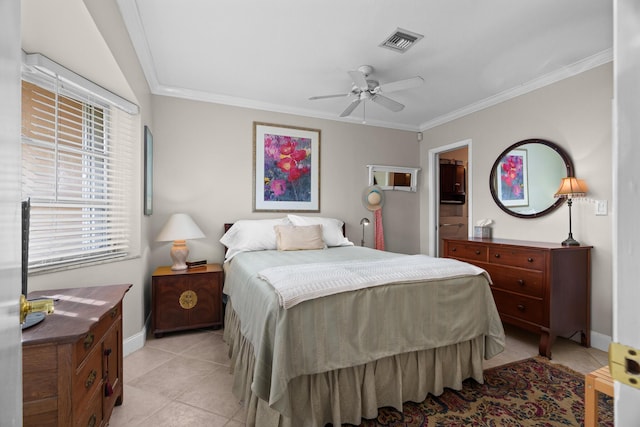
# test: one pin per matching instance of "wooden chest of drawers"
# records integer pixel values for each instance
(72, 361)
(186, 299)
(541, 287)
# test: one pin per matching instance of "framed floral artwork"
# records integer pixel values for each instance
(286, 168)
(513, 188)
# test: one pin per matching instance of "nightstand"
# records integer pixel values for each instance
(186, 299)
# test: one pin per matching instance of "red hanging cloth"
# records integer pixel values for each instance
(379, 232)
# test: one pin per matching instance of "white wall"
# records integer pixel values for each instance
(203, 165)
(574, 113)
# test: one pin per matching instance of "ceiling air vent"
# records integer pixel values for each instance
(401, 40)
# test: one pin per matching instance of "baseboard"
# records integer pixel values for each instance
(600, 341)
(136, 342)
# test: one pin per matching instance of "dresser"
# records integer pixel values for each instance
(542, 287)
(72, 360)
(186, 299)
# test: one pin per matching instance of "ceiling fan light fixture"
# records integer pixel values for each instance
(401, 40)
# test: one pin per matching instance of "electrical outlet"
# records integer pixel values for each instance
(601, 207)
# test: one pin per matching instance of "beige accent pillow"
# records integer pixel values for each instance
(295, 238)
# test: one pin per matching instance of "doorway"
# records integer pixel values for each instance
(450, 202)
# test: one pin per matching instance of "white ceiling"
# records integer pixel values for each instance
(274, 55)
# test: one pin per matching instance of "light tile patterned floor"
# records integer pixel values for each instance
(183, 378)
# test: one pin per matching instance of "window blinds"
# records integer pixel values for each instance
(77, 171)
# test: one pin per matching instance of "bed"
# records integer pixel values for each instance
(338, 356)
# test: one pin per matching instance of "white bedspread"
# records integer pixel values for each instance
(297, 283)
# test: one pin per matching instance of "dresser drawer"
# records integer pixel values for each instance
(518, 306)
(88, 378)
(85, 345)
(91, 414)
(516, 257)
(467, 251)
(517, 280)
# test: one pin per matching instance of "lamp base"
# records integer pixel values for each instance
(179, 254)
(570, 241)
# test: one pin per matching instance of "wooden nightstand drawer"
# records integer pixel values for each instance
(186, 299)
(517, 280)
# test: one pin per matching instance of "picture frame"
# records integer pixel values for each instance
(148, 171)
(513, 186)
(286, 168)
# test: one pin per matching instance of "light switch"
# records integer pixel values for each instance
(601, 207)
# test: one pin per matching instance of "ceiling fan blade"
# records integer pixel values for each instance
(351, 107)
(342, 95)
(359, 79)
(402, 84)
(387, 103)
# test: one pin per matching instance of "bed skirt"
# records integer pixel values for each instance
(349, 394)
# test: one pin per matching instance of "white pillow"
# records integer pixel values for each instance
(251, 235)
(331, 228)
(299, 237)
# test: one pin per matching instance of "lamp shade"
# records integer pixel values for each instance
(180, 227)
(571, 187)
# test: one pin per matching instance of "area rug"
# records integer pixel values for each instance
(531, 392)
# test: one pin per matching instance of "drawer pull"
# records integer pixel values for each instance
(477, 252)
(90, 379)
(88, 341)
(521, 282)
(497, 255)
(520, 307)
(114, 313)
(530, 259)
(92, 421)
(454, 249)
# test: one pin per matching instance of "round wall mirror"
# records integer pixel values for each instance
(526, 175)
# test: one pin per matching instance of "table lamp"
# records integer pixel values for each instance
(179, 228)
(571, 187)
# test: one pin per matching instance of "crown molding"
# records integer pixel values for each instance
(574, 69)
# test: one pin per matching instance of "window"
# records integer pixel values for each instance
(77, 170)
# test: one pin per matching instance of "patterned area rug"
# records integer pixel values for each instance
(531, 392)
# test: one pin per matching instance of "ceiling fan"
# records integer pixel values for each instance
(364, 89)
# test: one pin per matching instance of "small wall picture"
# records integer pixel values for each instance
(513, 188)
(286, 169)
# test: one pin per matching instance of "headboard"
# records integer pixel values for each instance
(227, 226)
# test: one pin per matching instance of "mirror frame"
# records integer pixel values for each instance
(395, 169)
(492, 177)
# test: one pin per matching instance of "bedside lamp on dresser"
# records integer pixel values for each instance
(570, 188)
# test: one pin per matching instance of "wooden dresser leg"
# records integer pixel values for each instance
(585, 339)
(590, 405)
(546, 340)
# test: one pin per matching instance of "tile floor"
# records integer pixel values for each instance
(183, 378)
